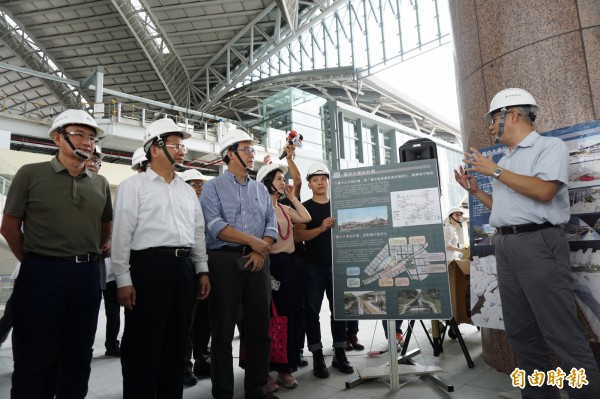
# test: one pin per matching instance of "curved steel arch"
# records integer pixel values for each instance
(366, 35)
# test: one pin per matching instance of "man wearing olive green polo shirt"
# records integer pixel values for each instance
(57, 221)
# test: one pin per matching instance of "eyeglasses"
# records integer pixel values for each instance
(197, 184)
(178, 147)
(82, 136)
(493, 120)
(248, 150)
(97, 162)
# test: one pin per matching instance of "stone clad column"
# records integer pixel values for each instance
(550, 48)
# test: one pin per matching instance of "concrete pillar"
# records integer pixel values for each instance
(551, 48)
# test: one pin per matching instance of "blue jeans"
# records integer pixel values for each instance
(318, 280)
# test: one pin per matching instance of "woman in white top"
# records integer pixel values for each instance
(454, 249)
(272, 176)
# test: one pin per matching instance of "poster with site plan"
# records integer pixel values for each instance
(389, 260)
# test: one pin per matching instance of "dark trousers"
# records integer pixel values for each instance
(56, 305)
(282, 270)
(384, 324)
(6, 322)
(351, 328)
(538, 305)
(197, 342)
(299, 300)
(112, 310)
(231, 289)
(318, 281)
(156, 329)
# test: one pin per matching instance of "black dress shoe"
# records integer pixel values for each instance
(201, 367)
(113, 352)
(189, 379)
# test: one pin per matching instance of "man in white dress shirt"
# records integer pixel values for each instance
(159, 258)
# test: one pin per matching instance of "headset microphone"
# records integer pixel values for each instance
(178, 167)
(80, 153)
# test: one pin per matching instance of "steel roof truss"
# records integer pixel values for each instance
(167, 66)
(34, 57)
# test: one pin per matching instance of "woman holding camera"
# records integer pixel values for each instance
(272, 176)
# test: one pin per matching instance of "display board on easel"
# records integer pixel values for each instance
(389, 258)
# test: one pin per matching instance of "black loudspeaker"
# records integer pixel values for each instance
(417, 149)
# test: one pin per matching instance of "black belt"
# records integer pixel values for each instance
(182, 252)
(75, 258)
(240, 249)
(523, 228)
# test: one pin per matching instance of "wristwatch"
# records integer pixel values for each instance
(497, 173)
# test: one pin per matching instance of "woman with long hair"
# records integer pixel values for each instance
(272, 176)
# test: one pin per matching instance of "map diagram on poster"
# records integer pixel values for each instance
(401, 257)
(415, 207)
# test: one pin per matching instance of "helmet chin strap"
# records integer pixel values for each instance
(79, 153)
(500, 126)
(161, 144)
(281, 194)
(457, 221)
(242, 162)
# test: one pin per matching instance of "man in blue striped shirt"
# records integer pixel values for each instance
(241, 226)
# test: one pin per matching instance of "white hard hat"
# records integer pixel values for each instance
(159, 128)
(266, 169)
(317, 168)
(139, 156)
(235, 136)
(510, 98)
(194, 174)
(75, 117)
(455, 210)
(98, 151)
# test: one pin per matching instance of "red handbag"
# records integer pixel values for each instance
(278, 332)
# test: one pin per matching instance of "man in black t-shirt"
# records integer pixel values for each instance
(318, 273)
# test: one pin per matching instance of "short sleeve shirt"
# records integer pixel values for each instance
(61, 214)
(546, 158)
(318, 250)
